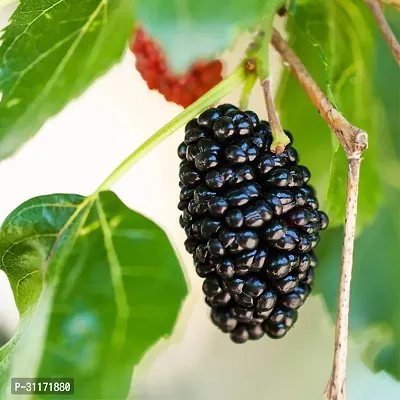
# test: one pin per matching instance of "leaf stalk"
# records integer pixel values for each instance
(247, 89)
(235, 79)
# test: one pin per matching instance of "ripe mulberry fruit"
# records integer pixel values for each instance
(182, 90)
(251, 220)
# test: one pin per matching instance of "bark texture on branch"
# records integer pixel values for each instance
(336, 387)
(354, 141)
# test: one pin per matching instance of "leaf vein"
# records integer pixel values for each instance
(8, 250)
(30, 66)
(120, 329)
(71, 50)
(44, 205)
(20, 280)
(49, 85)
(27, 27)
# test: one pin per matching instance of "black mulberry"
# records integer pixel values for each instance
(251, 220)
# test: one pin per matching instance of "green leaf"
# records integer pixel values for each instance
(51, 51)
(340, 60)
(351, 64)
(193, 30)
(112, 287)
(375, 302)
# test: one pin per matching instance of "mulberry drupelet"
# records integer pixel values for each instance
(251, 220)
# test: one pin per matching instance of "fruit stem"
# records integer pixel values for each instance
(279, 138)
(247, 89)
(231, 82)
(259, 52)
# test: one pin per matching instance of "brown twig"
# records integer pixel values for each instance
(387, 33)
(354, 141)
(336, 387)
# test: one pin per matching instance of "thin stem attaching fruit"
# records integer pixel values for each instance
(260, 53)
(387, 32)
(354, 141)
(280, 139)
(235, 79)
